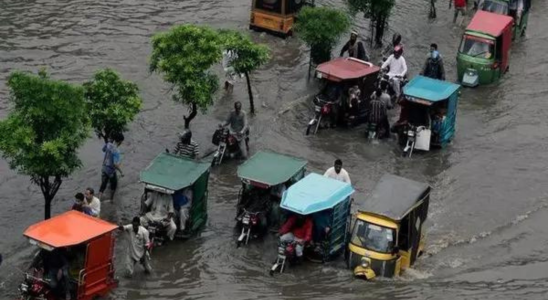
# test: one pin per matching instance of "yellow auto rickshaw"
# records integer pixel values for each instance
(276, 16)
(387, 235)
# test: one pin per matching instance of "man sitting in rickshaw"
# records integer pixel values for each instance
(182, 201)
(353, 109)
(297, 229)
(438, 123)
(55, 268)
(161, 210)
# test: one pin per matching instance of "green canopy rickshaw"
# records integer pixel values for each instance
(185, 181)
(265, 176)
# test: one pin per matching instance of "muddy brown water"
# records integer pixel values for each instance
(487, 232)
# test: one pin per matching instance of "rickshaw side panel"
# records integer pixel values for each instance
(339, 228)
(97, 279)
(448, 131)
(506, 44)
(198, 211)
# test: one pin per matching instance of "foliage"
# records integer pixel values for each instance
(248, 55)
(184, 55)
(112, 103)
(377, 11)
(321, 28)
(44, 129)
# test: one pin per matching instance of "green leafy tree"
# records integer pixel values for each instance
(43, 131)
(248, 56)
(184, 55)
(321, 28)
(377, 11)
(112, 103)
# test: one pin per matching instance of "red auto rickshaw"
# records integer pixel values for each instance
(88, 246)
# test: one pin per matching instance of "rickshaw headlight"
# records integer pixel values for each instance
(365, 263)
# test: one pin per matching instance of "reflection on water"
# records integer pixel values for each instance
(487, 238)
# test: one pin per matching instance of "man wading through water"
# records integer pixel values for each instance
(111, 164)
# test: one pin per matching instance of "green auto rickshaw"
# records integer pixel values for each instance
(501, 7)
(182, 183)
(265, 176)
(484, 51)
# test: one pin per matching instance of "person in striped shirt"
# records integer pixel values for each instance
(186, 147)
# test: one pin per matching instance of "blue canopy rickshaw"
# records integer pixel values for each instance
(430, 112)
(328, 202)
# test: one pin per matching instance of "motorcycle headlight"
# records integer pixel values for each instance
(365, 262)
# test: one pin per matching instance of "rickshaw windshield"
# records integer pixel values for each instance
(373, 237)
(274, 6)
(495, 7)
(477, 47)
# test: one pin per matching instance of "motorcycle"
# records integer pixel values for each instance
(157, 233)
(411, 133)
(225, 140)
(251, 224)
(286, 253)
(36, 288)
(323, 108)
(384, 79)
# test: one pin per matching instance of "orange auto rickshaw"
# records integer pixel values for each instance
(85, 245)
(276, 16)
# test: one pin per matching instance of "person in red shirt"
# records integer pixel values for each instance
(460, 6)
(297, 229)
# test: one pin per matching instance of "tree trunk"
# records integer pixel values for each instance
(49, 189)
(191, 116)
(250, 93)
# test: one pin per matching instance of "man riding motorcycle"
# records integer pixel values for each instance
(161, 210)
(238, 127)
(397, 69)
(355, 48)
(297, 229)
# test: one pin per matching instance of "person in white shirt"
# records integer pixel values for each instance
(138, 240)
(92, 202)
(397, 69)
(337, 172)
(161, 209)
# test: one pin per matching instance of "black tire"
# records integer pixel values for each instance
(308, 129)
(238, 244)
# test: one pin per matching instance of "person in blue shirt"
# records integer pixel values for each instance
(111, 164)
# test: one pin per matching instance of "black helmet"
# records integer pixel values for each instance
(186, 135)
(396, 39)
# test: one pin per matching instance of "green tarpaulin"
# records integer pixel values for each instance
(173, 172)
(270, 168)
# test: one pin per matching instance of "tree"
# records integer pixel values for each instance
(378, 12)
(248, 56)
(43, 131)
(112, 103)
(184, 55)
(321, 28)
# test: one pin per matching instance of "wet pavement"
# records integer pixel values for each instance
(487, 233)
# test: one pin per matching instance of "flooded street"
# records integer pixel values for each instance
(487, 228)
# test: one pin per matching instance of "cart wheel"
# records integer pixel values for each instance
(271, 273)
(238, 244)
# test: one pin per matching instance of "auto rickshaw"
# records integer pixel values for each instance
(87, 243)
(428, 114)
(276, 16)
(521, 15)
(183, 180)
(265, 176)
(387, 234)
(485, 49)
(332, 105)
(327, 203)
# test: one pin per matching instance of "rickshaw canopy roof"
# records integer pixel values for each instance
(315, 193)
(344, 68)
(489, 23)
(68, 229)
(173, 172)
(270, 168)
(393, 196)
(430, 89)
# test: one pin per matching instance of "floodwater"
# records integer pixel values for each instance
(487, 233)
